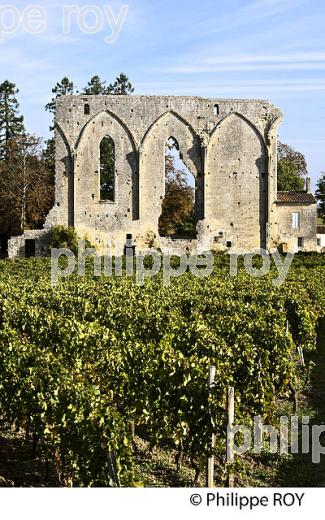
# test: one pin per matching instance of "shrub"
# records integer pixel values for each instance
(67, 238)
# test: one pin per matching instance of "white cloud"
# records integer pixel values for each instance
(264, 87)
(277, 58)
(198, 69)
(251, 13)
(314, 60)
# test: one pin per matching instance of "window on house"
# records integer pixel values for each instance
(107, 169)
(296, 220)
(216, 110)
(318, 242)
(86, 109)
(300, 242)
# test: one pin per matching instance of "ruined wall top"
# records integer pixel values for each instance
(139, 113)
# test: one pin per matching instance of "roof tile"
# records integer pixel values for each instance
(296, 197)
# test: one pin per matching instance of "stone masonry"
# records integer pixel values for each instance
(229, 145)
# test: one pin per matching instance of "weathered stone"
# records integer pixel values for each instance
(230, 146)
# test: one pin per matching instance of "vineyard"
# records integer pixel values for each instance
(85, 364)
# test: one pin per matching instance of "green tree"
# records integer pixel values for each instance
(320, 196)
(96, 87)
(292, 169)
(11, 122)
(62, 88)
(178, 207)
(121, 86)
(107, 169)
(48, 155)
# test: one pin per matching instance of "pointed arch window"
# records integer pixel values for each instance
(178, 214)
(107, 169)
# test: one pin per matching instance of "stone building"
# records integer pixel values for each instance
(297, 221)
(230, 147)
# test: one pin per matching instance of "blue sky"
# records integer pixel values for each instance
(269, 49)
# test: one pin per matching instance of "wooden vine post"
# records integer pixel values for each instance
(210, 461)
(231, 420)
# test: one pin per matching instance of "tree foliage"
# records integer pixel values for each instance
(48, 154)
(178, 211)
(107, 169)
(292, 168)
(66, 237)
(11, 122)
(320, 195)
(121, 86)
(64, 87)
(97, 87)
(26, 186)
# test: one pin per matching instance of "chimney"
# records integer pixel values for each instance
(308, 185)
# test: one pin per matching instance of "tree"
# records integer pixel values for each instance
(96, 87)
(11, 123)
(107, 169)
(320, 196)
(48, 155)
(122, 86)
(292, 169)
(178, 212)
(26, 186)
(62, 88)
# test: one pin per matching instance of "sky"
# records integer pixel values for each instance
(267, 49)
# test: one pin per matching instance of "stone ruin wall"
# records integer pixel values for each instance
(228, 145)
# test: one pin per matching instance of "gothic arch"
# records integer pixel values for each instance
(238, 114)
(274, 125)
(237, 158)
(152, 163)
(87, 167)
(100, 115)
(172, 112)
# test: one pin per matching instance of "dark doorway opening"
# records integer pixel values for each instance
(4, 246)
(30, 248)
